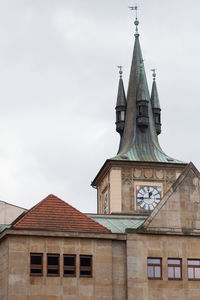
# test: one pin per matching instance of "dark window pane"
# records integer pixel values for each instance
(85, 261)
(85, 272)
(85, 265)
(69, 272)
(52, 260)
(69, 265)
(52, 264)
(36, 259)
(69, 260)
(36, 264)
(36, 271)
(52, 271)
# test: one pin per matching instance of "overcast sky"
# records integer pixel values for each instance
(58, 89)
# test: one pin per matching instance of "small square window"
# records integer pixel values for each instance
(85, 265)
(194, 269)
(53, 264)
(174, 268)
(36, 260)
(154, 268)
(69, 267)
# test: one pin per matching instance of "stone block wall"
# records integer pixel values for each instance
(142, 246)
(108, 269)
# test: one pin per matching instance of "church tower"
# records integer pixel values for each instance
(135, 180)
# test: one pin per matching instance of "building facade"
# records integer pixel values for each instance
(144, 242)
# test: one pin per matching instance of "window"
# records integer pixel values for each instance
(85, 265)
(174, 268)
(106, 204)
(157, 118)
(194, 269)
(122, 115)
(36, 264)
(69, 265)
(140, 110)
(154, 268)
(53, 264)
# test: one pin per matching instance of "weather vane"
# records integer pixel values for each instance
(135, 8)
(120, 71)
(154, 73)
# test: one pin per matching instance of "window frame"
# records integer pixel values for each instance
(51, 266)
(154, 265)
(69, 267)
(36, 274)
(193, 267)
(86, 268)
(175, 266)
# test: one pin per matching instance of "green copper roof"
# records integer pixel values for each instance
(137, 144)
(155, 103)
(2, 227)
(121, 98)
(117, 224)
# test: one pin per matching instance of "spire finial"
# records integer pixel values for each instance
(120, 71)
(135, 8)
(153, 74)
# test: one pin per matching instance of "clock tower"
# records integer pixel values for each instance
(135, 180)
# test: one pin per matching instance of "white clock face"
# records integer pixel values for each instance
(148, 196)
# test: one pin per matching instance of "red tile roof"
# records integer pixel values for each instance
(53, 213)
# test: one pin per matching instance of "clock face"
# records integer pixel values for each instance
(148, 196)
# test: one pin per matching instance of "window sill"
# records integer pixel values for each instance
(179, 279)
(193, 279)
(36, 275)
(155, 278)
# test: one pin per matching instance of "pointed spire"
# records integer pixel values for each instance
(121, 98)
(139, 141)
(130, 123)
(142, 102)
(121, 105)
(154, 92)
(141, 92)
(155, 103)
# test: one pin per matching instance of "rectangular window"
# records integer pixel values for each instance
(69, 262)
(85, 265)
(53, 264)
(118, 116)
(154, 268)
(36, 267)
(194, 269)
(174, 268)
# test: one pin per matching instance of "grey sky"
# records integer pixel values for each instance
(58, 87)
